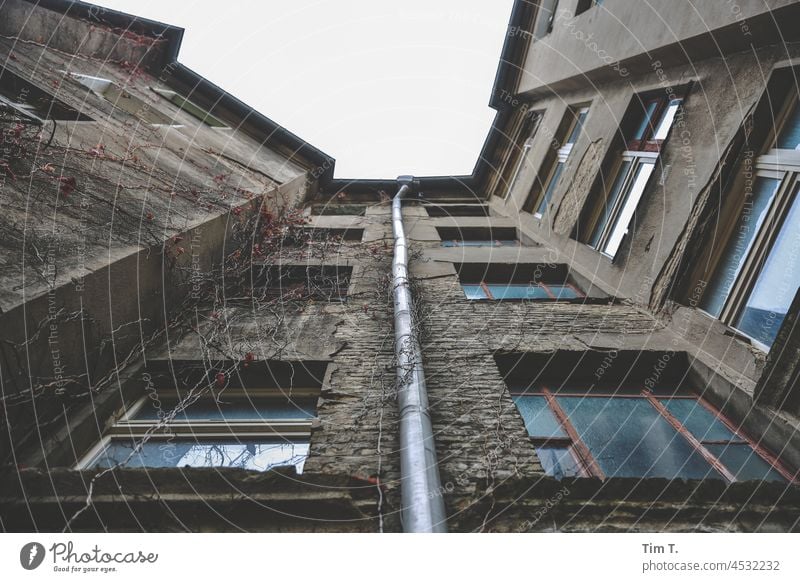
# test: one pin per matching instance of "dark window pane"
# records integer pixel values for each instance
(540, 421)
(777, 283)
(738, 246)
(789, 138)
(744, 462)
(628, 438)
(698, 420)
(255, 455)
(558, 462)
(230, 409)
(474, 292)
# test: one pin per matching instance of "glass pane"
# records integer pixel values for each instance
(522, 291)
(625, 215)
(738, 246)
(576, 131)
(551, 187)
(642, 129)
(558, 462)
(698, 420)
(540, 421)
(255, 455)
(744, 462)
(629, 438)
(613, 195)
(789, 137)
(666, 120)
(478, 243)
(207, 409)
(563, 292)
(473, 291)
(777, 283)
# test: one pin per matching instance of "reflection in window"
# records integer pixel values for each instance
(534, 291)
(579, 432)
(254, 455)
(233, 430)
(757, 273)
(634, 168)
(577, 117)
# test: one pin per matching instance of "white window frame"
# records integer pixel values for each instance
(616, 227)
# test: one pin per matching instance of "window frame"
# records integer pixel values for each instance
(127, 428)
(557, 160)
(535, 119)
(779, 164)
(586, 461)
(608, 223)
(545, 286)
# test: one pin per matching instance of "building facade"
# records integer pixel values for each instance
(198, 326)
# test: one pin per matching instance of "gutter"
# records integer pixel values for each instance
(421, 490)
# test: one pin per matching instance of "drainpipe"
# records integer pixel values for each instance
(421, 490)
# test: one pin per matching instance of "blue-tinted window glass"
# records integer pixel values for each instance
(540, 421)
(738, 246)
(629, 438)
(512, 291)
(644, 124)
(576, 131)
(479, 243)
(777, 283)
(226, 408)
(474, 291)
(698, 420)
(789, 137)
(613, 195)
(744, 462)
(254, 455)
(551, 186)
(558, 462)
(563, 292)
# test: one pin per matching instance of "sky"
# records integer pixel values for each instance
(386, 88)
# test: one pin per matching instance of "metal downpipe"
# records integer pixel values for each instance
(421, 491)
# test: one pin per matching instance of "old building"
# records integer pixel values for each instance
(199, 321)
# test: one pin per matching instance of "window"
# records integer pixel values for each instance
(192, 109)
(504, 282)
(334, 209)
(254, 429)
(570, 130)
(629, 424)
(757, 271)
(302, 236)
(22, 101)
(122, 99)
(584, 5)
(518, 155)
(457, 210)
(648, 122)
(478, 236)
(301, 283)
(546, 18)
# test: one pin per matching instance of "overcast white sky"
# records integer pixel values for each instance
(386, 88)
